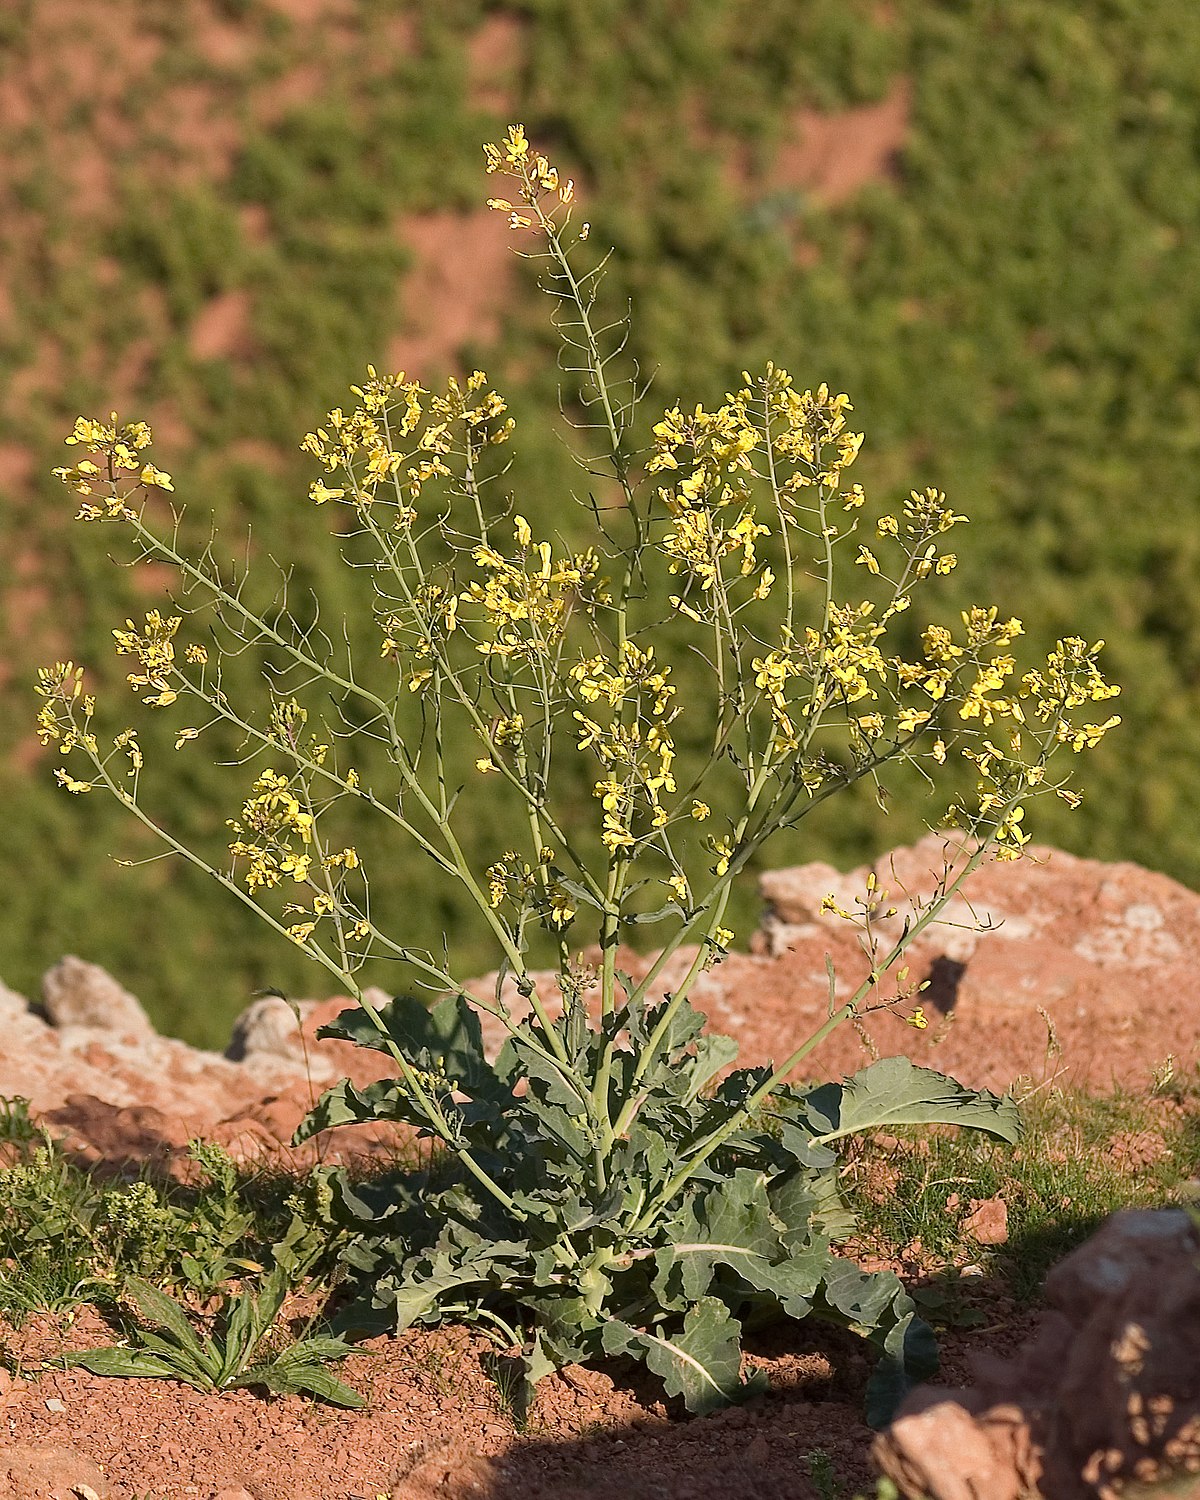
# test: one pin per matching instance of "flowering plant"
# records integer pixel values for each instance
(607, 1195)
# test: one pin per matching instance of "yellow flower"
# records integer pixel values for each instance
(65, 779)
(919, 1019)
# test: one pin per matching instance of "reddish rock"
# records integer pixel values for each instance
(987, 1223)
(1106, 1396)
(942, 1452)
(1107, 952)
(50, 1474)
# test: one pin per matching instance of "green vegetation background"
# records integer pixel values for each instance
(1016, 314)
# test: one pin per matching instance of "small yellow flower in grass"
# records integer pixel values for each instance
(184, 735)
(722, 937)
(484, 765)
(700, 811)
(918, 1018)
(679, 885)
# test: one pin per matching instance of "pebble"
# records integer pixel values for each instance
(55, 1405)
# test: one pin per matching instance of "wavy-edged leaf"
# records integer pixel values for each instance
(343, 1104)
(895, 1091)
(446, 1038)
(411, 1300)
(876, 1305)
(701, 1363)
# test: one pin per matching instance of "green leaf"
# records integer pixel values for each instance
(413, 1299)
(157, 1308)
(343, 1104)
(702, 1363)
(443, 1038)
(875, 1305)
(895, 1091)
(319, 1348)
(126, 1363)
(286, 1380)
(713, 1052)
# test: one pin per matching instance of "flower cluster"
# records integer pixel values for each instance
(634, 746)
(524, 602)
(154, 647)
(275, 818)
(541, 188)
(399, 437)
(531, 888)
(117, 447)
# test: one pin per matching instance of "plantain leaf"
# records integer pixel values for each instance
(126, 1363)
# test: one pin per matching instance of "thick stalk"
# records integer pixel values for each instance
(843, 1013)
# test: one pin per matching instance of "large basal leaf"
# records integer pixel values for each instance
(908, 1354)
(702, 1363)
(413, 1299)
(894, 1092)
(790, 1282)
(730, 1225)
(875, 1305)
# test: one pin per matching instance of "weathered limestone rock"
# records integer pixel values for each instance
(1105, 1397)
(76, 993)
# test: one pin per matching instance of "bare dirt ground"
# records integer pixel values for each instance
(1089, 979)
(437, 1427)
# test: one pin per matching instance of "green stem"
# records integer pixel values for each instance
(843, 1013)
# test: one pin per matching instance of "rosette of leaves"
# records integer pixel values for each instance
(164, 1344)
(662, 1271)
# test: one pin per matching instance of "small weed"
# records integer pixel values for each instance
(166, 1345)
(16, 1127)
(824, 1476)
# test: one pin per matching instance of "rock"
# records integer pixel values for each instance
(451, 1473)
(96, 1132)
(76, 993)
(1106, 1396)
(270, 1025)
(11, 1004)
(987, 1223)
(1107, 951)
(938, 1450)
(287, 1031)
(50, 1474)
